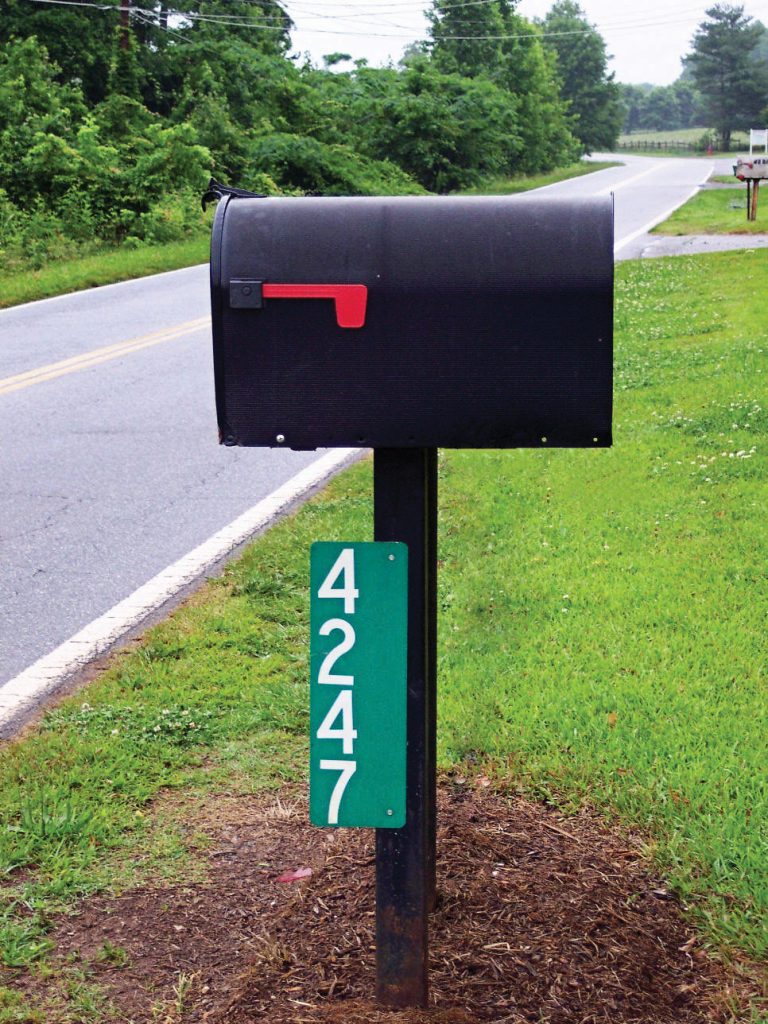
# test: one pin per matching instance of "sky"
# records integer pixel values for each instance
(646, 39)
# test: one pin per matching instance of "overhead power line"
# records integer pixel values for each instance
(240, 21)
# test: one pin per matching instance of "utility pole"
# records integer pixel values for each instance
(125, 41)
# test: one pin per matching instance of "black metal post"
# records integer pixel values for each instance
(405, 509)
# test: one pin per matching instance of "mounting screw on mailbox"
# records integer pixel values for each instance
(458, 322)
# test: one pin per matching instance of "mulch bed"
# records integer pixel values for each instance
(541, 918)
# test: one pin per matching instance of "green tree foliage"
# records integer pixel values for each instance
(109, 129)
(124, 71)
(661, 108)
(491, 42)
(586, 84)
(732, 82)
(79, 43)
(70, 173)
(466, 38)
(528, 72)
(445, 130)
(307, 166)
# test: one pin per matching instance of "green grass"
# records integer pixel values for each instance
(673, 135)
(102, 268)
(716, 211)
(686, 136)
(524, 183)
(689, 135)
(602, 640)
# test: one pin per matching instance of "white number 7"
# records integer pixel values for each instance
(347, 769)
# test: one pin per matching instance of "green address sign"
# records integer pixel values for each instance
(358, 673)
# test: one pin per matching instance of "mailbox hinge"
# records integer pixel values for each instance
(216, 191)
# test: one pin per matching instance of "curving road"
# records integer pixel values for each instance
(108, 452)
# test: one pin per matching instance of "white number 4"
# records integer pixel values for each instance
(347, 769)
(342, 706)
(344, 564)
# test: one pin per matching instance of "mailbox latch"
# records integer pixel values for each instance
(244, 294)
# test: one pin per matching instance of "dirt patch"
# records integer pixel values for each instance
(541, 918)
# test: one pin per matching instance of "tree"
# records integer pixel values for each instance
(491, 41)
(79, 42)
(593, 94)
(528, 71)
(733, 84)
(466, 38)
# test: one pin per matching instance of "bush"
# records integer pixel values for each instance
(303, 164)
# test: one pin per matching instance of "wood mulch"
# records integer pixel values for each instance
(541, 918)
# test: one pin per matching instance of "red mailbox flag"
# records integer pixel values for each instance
(349, 299)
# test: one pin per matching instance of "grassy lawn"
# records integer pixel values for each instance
(716, 211)
(602, 640)
(524, 183)
(689, 136)
(103, 268)
(679, 135)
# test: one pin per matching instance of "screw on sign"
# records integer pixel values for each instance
(460, 322)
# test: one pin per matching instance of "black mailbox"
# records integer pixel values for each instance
(458, 322)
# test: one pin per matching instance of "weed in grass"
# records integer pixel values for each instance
(46, 817)
(22, 941)
(14, 1009)
(180, 726)
(86, 1003)
(173, 1012)
(111, 954)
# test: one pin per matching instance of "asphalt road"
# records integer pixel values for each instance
(109, 462)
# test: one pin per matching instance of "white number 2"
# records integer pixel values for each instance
(347, 769)
(344, 564)
(324, 675)
(342, 706)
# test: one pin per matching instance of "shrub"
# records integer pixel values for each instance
(307, 165)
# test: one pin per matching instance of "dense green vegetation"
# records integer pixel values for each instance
(665, 108)
(582, 61)
(602, 639)
(728, 67)
(724, 83)
(109, 131)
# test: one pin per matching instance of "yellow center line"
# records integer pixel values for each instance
(99, 355)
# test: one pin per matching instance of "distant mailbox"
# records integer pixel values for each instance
(459, 322)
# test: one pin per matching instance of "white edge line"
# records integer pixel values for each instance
(99, 288)
(22, 693)
(662, 217)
